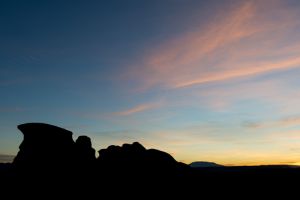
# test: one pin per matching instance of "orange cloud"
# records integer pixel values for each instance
(242, 41)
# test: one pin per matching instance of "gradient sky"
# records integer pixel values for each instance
(205, 80)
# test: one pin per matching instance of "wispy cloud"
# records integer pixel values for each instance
(291, 121)
(138, 109)
(278, 94)
(242, 72)
(244, 40)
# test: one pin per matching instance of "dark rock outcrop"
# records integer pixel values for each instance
(43, 146)
(51, 150)
(132, 160)
(59, 166)
(127, 154)
(84, 152)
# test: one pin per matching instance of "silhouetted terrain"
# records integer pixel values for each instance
(49, 159)
(204, 164)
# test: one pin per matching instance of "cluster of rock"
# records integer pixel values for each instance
(50, 147)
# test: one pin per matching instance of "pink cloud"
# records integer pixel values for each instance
(138, 109)
(242, 41)
(283, 123)
(245, 71)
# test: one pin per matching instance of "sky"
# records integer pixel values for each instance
(202, 80)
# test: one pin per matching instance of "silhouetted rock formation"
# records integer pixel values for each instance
(50, 162)
(85, 154)
(50, 148)
(135, 160)
(125, 155)
(44, 145)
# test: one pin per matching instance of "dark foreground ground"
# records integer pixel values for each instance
(51, 165)
(226, 182)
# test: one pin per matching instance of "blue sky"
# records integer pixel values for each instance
(203, 80)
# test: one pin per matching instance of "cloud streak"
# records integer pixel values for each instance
(279, 123)
(137, 109)
(242, 41)
(243, 72)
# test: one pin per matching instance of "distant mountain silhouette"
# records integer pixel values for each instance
(6, 158)
(204, 164)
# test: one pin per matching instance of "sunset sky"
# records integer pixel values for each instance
(215, 80)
